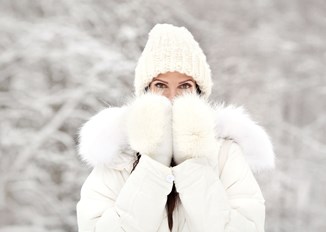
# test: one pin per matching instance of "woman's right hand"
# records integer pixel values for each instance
(149, 127)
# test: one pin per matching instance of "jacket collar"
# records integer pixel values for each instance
(103, 141)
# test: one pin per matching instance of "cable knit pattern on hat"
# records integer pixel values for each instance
(172, 49)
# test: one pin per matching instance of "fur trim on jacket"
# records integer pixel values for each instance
(103, 139)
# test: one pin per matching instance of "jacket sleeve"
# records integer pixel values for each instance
(106, 206)
(232, 202)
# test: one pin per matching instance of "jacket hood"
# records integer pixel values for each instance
(103, 139)
(235, 123)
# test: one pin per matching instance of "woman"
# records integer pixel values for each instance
(169, 160)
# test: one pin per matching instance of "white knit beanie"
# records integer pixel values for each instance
(172, 49)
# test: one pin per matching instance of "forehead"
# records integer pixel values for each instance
(174, 76)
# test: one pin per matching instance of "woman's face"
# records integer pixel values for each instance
(172, 84)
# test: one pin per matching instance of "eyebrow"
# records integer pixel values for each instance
(187, 81)
(156, 79)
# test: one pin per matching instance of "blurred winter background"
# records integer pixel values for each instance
(62, 61)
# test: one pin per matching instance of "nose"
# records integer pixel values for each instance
(172, 94)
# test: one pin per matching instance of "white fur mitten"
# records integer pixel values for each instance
(149, 128)
(193, 128)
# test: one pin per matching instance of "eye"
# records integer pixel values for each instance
(185, 86)
(159, 85)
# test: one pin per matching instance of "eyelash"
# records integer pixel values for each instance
(161, 85)
(187, 86)
(157, 85)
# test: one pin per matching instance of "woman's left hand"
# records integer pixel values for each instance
(193, 128)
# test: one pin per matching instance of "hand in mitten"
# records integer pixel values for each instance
(193, 128)
(149, 127)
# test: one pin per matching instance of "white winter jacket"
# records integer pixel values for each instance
(219, 195)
